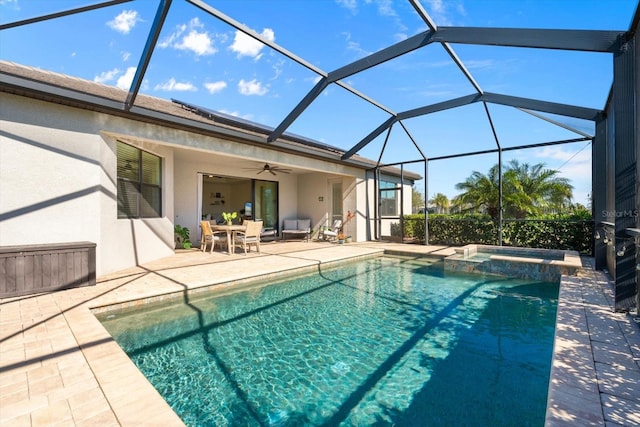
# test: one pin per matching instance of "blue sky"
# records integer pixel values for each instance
(204, 61)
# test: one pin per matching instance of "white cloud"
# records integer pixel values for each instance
(572, 162)
(172, 85)
(252, 87)
(236, 114)
(476, 64)
(198, 43)
(124, 81)
(126, 56)
(277, 68)
(107, 76)
(124, 22)
(189, 37)
(385, 8)
(13, 3)
(436, 5)
(215, 87)
(442, 12)
(354, 46)
(245, 45)
(352, 5)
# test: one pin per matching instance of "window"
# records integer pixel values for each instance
(388, 198)
(139, 183)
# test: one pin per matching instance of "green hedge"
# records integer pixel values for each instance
(535, 233)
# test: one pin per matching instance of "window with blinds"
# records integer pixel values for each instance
(139, 183)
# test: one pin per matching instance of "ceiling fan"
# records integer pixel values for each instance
(273, 170)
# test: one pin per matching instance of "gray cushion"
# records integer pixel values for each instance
(304, 224)
(290, 224)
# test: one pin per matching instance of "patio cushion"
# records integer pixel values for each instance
(290, 224)
(304, 224)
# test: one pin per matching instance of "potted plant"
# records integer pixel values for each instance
(345, 228)
(181, 236)
(341, 238)
(229, 216)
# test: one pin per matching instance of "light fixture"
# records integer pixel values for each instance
(597, 236)
(621, 250)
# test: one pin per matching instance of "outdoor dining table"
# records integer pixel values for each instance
(229, 229)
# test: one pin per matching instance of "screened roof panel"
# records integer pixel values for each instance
(350, 30)
(202, 60)
(339, 116)
(421, 77)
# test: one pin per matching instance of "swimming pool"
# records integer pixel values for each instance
(382, 340)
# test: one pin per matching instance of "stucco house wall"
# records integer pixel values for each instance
(58, 177)
(58, 184)
(58, 180)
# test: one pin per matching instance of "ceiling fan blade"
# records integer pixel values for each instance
(284, 170)
(261, 170)
(272, 172)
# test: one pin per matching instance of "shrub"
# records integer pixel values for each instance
(561, 232)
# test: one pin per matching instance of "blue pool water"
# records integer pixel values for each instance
(383, 341)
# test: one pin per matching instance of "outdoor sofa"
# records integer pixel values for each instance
(297, 228)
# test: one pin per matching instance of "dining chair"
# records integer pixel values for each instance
(250, 236)
(210, 237)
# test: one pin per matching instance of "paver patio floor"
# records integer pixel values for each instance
(58, 365)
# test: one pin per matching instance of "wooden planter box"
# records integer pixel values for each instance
(34, 269)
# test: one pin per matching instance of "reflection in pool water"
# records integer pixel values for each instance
(386, 340)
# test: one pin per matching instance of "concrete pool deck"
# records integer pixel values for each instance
(58, 365)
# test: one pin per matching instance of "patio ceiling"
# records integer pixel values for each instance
(408, 78)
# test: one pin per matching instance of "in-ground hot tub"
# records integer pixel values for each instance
(536, 264)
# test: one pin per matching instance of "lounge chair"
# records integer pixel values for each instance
(250, 236)
(332, 233)
(211, 237)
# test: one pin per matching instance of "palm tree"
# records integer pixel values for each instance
(526, 190)
(543, 191)
(441, 203)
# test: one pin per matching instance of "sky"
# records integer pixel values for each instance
(204, 61)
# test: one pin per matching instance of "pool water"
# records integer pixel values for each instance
(381, 341)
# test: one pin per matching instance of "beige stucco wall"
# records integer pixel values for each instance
(313, 186)
(58, 181)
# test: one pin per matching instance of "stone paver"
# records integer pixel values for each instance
(595, 378)
(59, 366)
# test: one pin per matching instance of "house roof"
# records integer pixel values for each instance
(72, 91)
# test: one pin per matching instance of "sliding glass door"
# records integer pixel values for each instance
(265, 196)
(249, 198)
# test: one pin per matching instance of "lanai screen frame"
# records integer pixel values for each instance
(621, 168)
